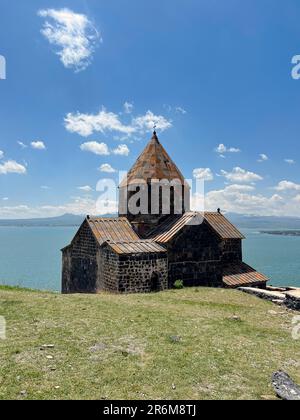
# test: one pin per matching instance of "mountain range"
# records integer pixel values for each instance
(241, 221)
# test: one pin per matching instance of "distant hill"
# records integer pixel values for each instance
(241, 221)
(65, 220)
(264, 222)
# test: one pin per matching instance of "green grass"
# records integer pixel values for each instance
(123, 347)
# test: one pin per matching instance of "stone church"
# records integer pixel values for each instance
(148, 248)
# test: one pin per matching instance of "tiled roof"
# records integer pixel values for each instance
(136, 247)
(167, 230)
(153, 163)
(222, 226)
(236, 275)
(113, 229)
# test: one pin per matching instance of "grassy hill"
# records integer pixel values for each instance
(187, 344)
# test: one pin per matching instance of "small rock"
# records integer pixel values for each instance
(173, 386)
(235, 318)
(23, 393)
(57, 387)
(98, 347)
(48, 346)
(285, 387)
(175, 338)
(49, 357)
(272, 312)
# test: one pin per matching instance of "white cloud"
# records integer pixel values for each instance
(21, 144)
(77, 205)
(241, 175)
(128, 107)
(45, 187)
(149, 120)
(263, 158)
(87, 124)
(203, 173)
(233, 188)
(121, 150)
(12, 167)
(107, 122)
(1, 154)
(73, 34)
(287, 186)
(290, 161)
(5, 198)
(38, 145)
(96, 148)
(180, 110)
(85, 188)
(238, 199)
(107, 168)
(222, 149)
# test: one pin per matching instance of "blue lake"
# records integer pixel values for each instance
(31, 257)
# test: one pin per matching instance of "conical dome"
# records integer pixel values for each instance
(153, 163)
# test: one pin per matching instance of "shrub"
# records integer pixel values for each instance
(178, 284)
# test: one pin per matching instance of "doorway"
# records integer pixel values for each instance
(155, 282)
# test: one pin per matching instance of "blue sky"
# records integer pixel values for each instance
(215, 76)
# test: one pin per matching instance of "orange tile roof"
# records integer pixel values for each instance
(114, 229)
(153, 163)
(238, 275)
(167, 230)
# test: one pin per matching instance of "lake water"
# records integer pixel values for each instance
(31, 257)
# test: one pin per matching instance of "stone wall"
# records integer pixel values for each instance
(108, 273)
(134, 273)
(143, 273)
(195, 257)
(232, 250)
(80, 265)
(66, 270)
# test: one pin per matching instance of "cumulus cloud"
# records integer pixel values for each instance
(128, 107)
(73, 34)
(109, 122)
(121, 150)
(85, 188)
(22, 145)
(12, 167)
(263, 158)
(149, 120)
(241, 175)
(76, 205)
(287, 186)
(203, 173)
(38, 145)
(290, 161)
(180, 110)
(107, 168)
(103, 121)
(242, 200)
(100, 149)
(222, 149)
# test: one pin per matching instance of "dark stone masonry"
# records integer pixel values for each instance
(142, 253)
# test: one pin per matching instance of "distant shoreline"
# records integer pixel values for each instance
(281, 232)
(36, 226)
